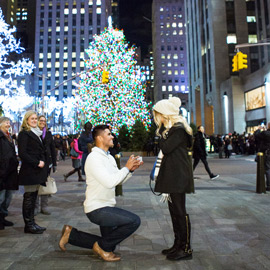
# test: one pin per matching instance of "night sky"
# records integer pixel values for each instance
(137, 30)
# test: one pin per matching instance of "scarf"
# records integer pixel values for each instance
(37, 131)
(44, 133)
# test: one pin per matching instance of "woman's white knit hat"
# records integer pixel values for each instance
(168, 106)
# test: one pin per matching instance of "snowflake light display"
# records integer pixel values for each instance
(13, 98)
(120, 101)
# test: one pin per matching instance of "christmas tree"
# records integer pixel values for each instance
(121, 100)
(13, 98)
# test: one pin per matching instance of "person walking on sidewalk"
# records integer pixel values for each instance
(50, 164)
(33, 172)
(199, 152)
(102, 176)
(263, 137)
(8, 171)
(175, 176)
(76, 160)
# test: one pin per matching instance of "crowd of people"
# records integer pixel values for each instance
(93, 155)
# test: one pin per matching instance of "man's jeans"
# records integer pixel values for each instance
(5, 199)
(115, 225)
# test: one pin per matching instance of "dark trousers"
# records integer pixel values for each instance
(204, 161)
(115, 225)
(178, 205)
(84, 156)
(267, 168)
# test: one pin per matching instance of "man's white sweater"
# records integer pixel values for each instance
(102, 176)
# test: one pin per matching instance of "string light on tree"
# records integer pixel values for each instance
(13, 99)
(121, 100)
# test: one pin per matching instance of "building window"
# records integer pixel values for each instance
(170, 88)
(251, 19)
(176, 88)
(183, 88)
(161, 9)
(231, 39)
(169, 64)
(252, 39)
(163, 88)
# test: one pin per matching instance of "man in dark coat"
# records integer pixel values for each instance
(85, 139)
(199, 152)
(263, 137)
(8, 171)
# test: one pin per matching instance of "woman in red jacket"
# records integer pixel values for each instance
(76, 161)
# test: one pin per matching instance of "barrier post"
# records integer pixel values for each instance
(260, 181)
(118, 188)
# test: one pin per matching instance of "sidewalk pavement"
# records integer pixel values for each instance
(230, 225)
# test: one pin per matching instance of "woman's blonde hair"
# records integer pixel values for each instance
(25, 125)
(169, 121)
(45, 120)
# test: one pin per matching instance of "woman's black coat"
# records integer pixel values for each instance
(199, 150)
(31, 152)
(175, 174)
(50, 150)
(8, 164)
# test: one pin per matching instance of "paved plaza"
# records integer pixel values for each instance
(230, 224)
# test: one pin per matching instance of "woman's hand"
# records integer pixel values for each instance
(41, 164)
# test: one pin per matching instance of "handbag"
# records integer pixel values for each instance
(73, 152)
(50, 187)
(155, 171)
(156, 167)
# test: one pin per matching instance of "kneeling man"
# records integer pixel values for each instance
(102, 176)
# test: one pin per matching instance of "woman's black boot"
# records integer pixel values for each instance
(176, 230)
(29, 199)
(183, 251)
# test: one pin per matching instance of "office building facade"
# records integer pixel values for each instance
(217, 95)
(169, 50)
(64, 29)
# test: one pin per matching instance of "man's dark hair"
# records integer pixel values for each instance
(98, 130)
(87, 124)
(198, 127)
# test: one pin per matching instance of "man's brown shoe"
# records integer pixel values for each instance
(106, 256)
(65, 236)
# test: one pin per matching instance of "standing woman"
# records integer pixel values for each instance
(50, 160)
(76, 161)
(175, 175)
(33, 171)
(8, 171)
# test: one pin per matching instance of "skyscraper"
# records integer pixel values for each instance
(169, 49)
(9, 11)
(217, 95)
(64, 29)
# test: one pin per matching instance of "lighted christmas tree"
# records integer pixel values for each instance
(121, 100)
(13, 98)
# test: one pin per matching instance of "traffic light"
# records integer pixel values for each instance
(235, 63)
(242, 60)
(105, 76)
